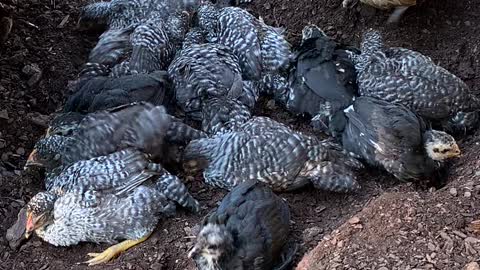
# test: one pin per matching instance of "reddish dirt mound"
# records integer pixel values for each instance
(410, 230)
(42, 54)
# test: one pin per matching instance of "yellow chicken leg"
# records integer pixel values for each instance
(113, 251)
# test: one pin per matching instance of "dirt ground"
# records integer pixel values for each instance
(399, 226)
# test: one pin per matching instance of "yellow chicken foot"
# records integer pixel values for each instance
(113, 251)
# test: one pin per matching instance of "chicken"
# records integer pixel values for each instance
(204, 71)
(270, 152)
(223, 115)
(142, 37)
(462, 123)
(140, 125)
(400, 6)
(407, 77)
(100, 93)
(391, 136)
(249, 230)
(323, 78)
(106, 199)
(260, 48)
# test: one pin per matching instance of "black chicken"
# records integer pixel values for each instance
(391, 136)
(249, 230)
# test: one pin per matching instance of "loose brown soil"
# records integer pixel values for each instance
(399, 225)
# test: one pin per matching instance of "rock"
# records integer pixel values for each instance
(472, 266)
(354, 220)
(4, 114)
(38, 119)
(21, 151)
(467, 194)
(310, 233)
(35, 73)
(2, 144)
(15, 234)
(453, 191)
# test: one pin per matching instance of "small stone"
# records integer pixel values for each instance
(472, 266)
(35, 73)
(36, 244)
(310, 233)
(4, 114)
(21, 151)
(467, 194)
(383, 268)
(468, 23)
(431, 247)
(5, 156)
(2, 144)
(354, 220)
(453, 191)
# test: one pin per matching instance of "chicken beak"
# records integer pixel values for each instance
(30, 226)
(457, 151)
(32, 160)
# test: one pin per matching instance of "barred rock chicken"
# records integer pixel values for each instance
(270, 152)
(260, 48)
(249, 230)
(204, 71)
(140, 125)
(407, 77)
(223, 115)
(323, 79)
(462, 123)
(393, 137)
(106, 199)
(99, 93)
(142, 37)
(400, 6)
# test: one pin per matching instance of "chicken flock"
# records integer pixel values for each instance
(163, 63)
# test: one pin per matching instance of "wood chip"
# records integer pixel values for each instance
(63, 22)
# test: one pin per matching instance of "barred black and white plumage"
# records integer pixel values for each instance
(323, 78)
(107, 199)
(407, 77)
(146, 42)
(259, 47)
(393, 137)
(139, 125)
(203, 71)
(249, 230)
(270, 152)
(223, 115)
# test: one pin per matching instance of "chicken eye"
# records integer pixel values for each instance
(213, 247)
(436, 150)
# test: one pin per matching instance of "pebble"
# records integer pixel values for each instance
(2, 144)
(310, 233)
(21, 151)
(472, 266)
(467, 194)
(35, 73)
(354, 220)
(453, 191)
(4, 114)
